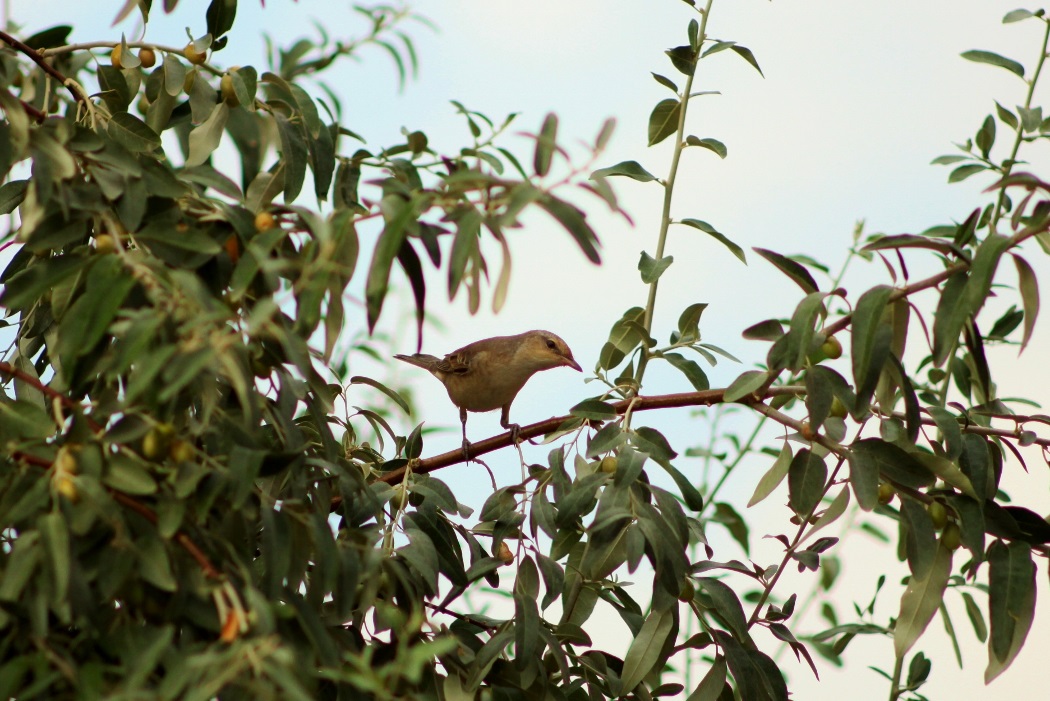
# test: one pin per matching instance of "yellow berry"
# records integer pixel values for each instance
(807, 431)
(505, 554)
(609, 464)
(838, 409)
(886, 492)
(104, 243)
(264, 221)
(938, 514)
(114, 57)
(148, 58)
(832, 348)
(400, 499)
(156, 442)
(180, 451)
(951, 536)
(65, 486)
(229, 95)
(193, 56)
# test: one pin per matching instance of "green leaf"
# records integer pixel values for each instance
(386, 250)
(651, 268)
(973, 611)
(397, 398)
(806, 477)
(646, 648)
(575, 222)
(993, 59)
(947, 471)
(205, 138)
(748, 382)
(963, 172)
(1028, 286)
(664, 120)
(985, 138)
(737, 526)
(713, 145)
(1016, 16)
(128, 476)
(1011, 603)
(792, 269)
(920, 537)
(55, 535)
(949, 317)
(692, 371)
(294, 153)
(773, 477)
(12, 194)
(132, 133)
(666, 82)
(1005, 116)
(712, 232)
(594, 409)
(893, 463)
(870, 341)
(920, 601)
(629, 169)
(608, 438)
(546, 143)
(745, 53)
(714, 682)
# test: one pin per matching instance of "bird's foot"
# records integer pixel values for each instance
(515, 430)
(466, 450)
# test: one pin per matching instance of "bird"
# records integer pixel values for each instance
(488, 374)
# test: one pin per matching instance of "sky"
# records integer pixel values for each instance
(856, 99)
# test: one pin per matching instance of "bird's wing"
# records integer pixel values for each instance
(455, 363)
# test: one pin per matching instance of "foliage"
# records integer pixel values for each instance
(184, 516)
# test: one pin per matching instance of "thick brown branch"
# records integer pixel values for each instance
(663, 401)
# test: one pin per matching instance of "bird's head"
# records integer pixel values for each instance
(544, 350)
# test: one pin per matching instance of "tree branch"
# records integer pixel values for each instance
(36, 58)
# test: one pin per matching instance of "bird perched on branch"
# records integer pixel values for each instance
(488, 374)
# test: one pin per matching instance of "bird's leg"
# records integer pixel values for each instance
(504, 421)
(466, 443)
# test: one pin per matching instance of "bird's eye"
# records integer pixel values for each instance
(551, 345)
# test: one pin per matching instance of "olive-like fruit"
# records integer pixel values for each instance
(193, 56)
(504, 554)
(951, 536)
(114, 57)
(807, 431)
(148, 58)
(831, 348)
(609, 464)
(938, 514)
(155, 443)
(264, 221)
(400, 498)
(104, 243)
(838, 409)
(65, 486)
(886, 492)
(180, 451)
(229, 95)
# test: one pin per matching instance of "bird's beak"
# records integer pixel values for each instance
(573, 364)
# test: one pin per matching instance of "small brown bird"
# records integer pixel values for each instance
(488, 374)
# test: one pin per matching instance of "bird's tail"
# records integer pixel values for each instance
(422, 360)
